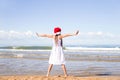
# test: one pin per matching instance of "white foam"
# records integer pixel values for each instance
(84, 48)
(19, 55)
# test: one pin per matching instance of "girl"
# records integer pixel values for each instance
(57, 56)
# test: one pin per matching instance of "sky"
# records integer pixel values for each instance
(97, 20)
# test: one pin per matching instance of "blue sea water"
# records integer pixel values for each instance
(78, 63)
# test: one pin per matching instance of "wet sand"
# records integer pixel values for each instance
(36, 77)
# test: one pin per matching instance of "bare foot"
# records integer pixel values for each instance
(66, 75)
(47, 75)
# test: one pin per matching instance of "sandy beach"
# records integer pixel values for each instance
(86, 65)
(26, 77)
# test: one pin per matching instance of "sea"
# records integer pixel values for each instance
(80, 61)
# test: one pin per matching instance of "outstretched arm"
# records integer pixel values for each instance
(44, 35)
(67, 35)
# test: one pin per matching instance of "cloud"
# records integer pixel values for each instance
(29, 33)
(15, 34)
(98, 34)
(97, 37)
(95, 33)
(12, 34)
(13, 37)
(3, 34)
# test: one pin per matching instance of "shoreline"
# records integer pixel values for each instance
(41, 77)
(71, 49)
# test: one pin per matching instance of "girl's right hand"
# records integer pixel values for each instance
(77, 32)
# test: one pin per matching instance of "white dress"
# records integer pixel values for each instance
(57, 56)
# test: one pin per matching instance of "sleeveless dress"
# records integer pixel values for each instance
(57, 56)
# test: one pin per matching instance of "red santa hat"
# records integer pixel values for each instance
(57, 30)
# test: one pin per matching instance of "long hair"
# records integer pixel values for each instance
(56, 40)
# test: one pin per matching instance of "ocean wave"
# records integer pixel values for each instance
(27, 47)
(85, 48)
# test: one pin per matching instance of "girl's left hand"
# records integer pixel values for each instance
(37, 34)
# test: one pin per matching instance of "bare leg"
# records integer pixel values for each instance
(64, 69)
(49, 69)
